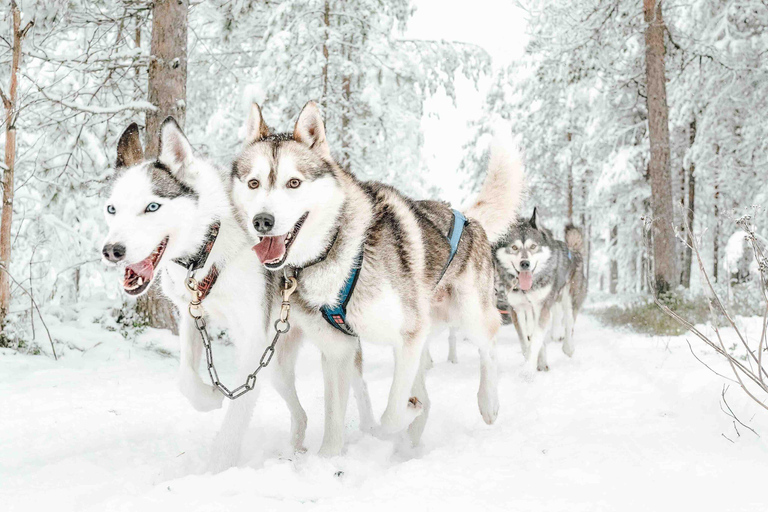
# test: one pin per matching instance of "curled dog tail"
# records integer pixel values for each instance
(496, 206)
(573, 238)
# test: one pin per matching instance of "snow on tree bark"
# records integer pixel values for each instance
(664, 254)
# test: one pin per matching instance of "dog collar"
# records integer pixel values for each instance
(197, 260)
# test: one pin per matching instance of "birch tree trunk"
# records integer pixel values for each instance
(662, 201)
(11, 114)
(167, 90)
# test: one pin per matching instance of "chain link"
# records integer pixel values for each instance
(282, 326)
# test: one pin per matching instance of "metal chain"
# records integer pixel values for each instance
(282, 326)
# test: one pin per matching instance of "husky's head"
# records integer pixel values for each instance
(525, 250)
(285, 189)
(151, 206)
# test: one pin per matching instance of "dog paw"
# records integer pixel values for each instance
(203, 398)
(453, 359)
(488, 402)
(392, 425)
(542, 367)
(568, 349)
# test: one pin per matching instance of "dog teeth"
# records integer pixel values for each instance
(288, 237)
(139, 281)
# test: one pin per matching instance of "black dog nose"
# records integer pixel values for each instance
(113, 252)
(263, 223)
(525, 265)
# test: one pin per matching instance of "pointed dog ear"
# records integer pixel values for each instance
(255, 128)
(309, 130)
(535, 223)
(129, 152)
(175, 150)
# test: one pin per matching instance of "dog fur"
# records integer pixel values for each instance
(399, 297)
(549, 302)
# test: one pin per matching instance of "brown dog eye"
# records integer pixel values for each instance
(253, 184)
(294, 183)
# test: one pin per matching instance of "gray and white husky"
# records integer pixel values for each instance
(542, 279)
(309, 217)
(160, 215)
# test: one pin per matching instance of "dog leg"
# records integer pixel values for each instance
(284, 381)
(452, 357)
(203, 397)
(401, 408)
(419, 390)
(488, 394)
(568, 347)
(538, 338)
(226, 447)
(360, 389)
(541, 364)
(338, 368)
(527, 322)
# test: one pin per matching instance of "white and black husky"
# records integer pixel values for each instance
(373, 263)
(168, 213)
(542, 279)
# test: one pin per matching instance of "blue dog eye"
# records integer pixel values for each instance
(152, 207)
(111, 209)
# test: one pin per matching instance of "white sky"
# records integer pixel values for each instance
(497, 26)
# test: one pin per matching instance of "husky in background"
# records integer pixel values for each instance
(544, 283)
(310, 218)
(162, 215)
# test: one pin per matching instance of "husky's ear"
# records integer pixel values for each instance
(310, 130)
(255, 128)
(535, 222)
(175, 150)
(129, 150)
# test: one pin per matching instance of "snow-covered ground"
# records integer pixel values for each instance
(631, 423)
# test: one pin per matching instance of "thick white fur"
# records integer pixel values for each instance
(502, 192)
(236, 300)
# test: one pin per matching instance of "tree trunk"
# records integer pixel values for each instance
(11, 112)
(326, 22)
(167, 68)
(664, 254)
(167, 90)
(716, 230)
(346, 90)
(614, 264)
(691, 208)
(568, 137)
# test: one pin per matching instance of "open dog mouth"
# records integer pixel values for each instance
(273, 250)
(138, 276)
(525, 279)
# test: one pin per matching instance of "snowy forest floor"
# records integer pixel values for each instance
(632, 422)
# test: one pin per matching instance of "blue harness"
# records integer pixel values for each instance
(336, 315)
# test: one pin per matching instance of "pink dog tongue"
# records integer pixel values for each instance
(142, 269)
(525, 280)
(270, 249)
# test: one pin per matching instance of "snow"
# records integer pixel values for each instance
(630, 423)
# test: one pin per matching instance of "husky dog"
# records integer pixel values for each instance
(310, 218)
(163, 215)
(544, 283)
